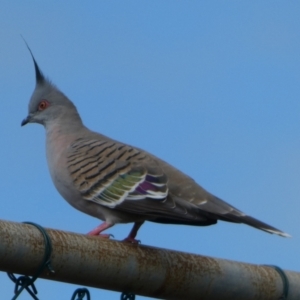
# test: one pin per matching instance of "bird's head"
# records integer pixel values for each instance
(47, 104)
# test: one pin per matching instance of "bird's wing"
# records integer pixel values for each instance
(126, 179)
(109, 173)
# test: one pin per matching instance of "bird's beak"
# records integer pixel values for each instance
(25, 121)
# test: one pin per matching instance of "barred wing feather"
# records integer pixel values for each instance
(109, 173)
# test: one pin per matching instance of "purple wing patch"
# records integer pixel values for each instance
(154, 187)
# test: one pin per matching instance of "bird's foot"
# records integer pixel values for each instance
(106, 236)
(131, 240)
(131, 237)
(102, 235)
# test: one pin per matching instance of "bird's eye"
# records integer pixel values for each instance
(43, 105)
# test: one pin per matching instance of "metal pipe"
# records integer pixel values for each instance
(142, 270)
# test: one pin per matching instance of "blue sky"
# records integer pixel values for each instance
(212, 87)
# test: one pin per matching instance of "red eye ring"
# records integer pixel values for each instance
(43, 105)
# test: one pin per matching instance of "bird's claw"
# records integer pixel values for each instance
(106, 235)
(132, 240)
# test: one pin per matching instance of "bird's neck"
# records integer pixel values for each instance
(67, 124)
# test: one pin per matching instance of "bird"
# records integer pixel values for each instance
(116, 182)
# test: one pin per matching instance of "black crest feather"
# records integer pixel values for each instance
(38, 73)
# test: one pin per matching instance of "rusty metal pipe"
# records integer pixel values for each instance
(143, 270)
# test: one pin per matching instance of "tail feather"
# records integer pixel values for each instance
(255, 223)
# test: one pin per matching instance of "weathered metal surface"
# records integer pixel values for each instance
(143, 270)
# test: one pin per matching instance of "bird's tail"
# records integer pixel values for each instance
(255, 223)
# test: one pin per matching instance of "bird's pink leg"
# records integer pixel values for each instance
(133, 233)
(97, 231)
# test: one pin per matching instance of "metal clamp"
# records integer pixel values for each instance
(285, 281)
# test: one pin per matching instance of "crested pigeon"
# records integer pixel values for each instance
(115, 182)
